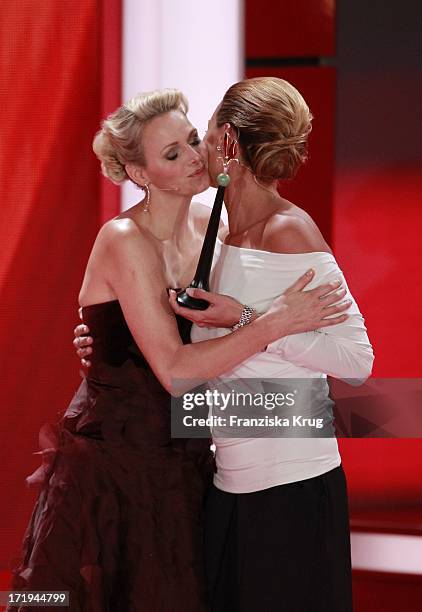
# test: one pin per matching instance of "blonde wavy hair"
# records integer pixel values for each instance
(119, 141)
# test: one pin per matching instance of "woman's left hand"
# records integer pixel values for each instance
(223, 311)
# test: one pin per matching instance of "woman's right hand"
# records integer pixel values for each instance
(82, 343)
(304, 311)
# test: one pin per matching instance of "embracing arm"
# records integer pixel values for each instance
(342, 351)
(134, 272)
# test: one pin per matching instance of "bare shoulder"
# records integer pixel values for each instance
(122, 253)
(201, 214)
(123, 236)
(293, 232)
(122, 228)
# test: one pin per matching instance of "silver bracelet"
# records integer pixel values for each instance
(245, 317)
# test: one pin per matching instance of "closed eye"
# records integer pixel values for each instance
(195, 142)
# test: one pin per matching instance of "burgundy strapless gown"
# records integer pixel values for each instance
(118, 521)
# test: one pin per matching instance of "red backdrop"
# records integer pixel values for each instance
(51, 92)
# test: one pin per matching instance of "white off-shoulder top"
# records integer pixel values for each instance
(256, 278)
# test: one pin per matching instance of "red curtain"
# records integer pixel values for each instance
(51, 63)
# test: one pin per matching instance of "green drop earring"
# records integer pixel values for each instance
(227, 149)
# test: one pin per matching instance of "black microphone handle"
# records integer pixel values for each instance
(203, 269)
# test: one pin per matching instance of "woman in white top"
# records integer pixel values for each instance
(277, 522)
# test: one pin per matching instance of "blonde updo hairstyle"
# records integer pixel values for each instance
(273, 123)
(119, 142)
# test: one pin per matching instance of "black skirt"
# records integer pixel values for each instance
(286, 548)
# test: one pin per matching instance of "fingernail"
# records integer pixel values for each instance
(310, 272)
(190, 291)
(172, 291)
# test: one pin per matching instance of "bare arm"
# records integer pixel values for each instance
(134, 271)
(342, 351)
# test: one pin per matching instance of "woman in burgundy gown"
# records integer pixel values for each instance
(118, 522)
